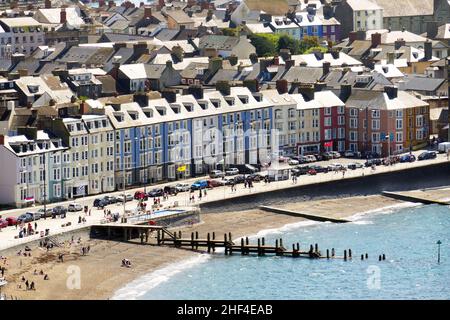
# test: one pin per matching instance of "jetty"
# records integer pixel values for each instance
(308, 216)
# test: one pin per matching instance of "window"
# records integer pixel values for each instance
(399, 137)
(375, 137)
(327, 121)
(327, 111)
(375, 124)
(399, 124)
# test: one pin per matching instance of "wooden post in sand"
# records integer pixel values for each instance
(242, 246)
(345, 255)
(259, 247)
(192, 241)
(208, 243)
(225, 243)
(328, 254)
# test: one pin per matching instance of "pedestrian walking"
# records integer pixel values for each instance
(35, 226)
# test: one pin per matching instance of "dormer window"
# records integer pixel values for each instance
(189, 106)
(33, 88)
(230, 101)
(244, 99)
(119, 117)
(148, 113)
(161, 110)
(176, 108)
(216, 103)
(133, 115)
(203, 104)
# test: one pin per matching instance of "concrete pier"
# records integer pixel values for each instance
(416, 196)
(302, 215)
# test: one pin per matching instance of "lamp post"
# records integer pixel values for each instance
(439, 250)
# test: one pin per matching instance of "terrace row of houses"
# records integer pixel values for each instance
(144, 139)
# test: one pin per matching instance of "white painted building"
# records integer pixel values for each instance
(33, 169)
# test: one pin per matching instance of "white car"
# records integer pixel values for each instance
(183, 187)
(128, 197)
(293, 162)
(310, 158)
(232, 171)
(335, 166)
(74, 207)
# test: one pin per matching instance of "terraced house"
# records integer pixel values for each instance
(34, 165)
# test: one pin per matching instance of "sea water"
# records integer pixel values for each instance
(406, 236)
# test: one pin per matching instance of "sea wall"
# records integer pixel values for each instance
(437, 175)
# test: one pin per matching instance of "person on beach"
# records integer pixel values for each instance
(46, 277)
(27, 285)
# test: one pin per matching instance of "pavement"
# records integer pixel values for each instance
(7, 235)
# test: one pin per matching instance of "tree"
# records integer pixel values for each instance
(309, 42)
(265, 44)
(233, 32)
(313, 49)
(287, 42)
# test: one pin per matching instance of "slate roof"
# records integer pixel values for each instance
(399, 8)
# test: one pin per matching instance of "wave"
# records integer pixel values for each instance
(383, 210)
(140, 286)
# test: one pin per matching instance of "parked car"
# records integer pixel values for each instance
(427, 155)
(327, 155)
(375, 161)
(336, 155)
(255, 177)
(443, 147)
(3, 223)
(318, 157)
(312, 172)
(28, 217)
(239, 179)
(199, 184)
(300, 170)
(302, 159)
(12, 221)
(128, 197)
(355, 165)
(73, 207)
(110, 199)
(183, 187)
(140, 195)
(157, 192)
(59, 211)
(24, 218)
(335, 166)
(45, 213)
(319, 169)
(247, 168)
(231, 171)
(170, 190)
(216, 174)
(370, 155)
(310, 158)
(293, 162)
(407, 158)
(100, 203)
(215, 183)
(352, 154)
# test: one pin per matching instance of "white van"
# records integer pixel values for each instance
(443, 147)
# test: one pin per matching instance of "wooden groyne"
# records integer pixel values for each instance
(260, 248)
(302, 215)
(413, 198)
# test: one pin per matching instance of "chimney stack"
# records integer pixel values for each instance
(391, 91)
(351, 36)
(224, 87)
(48, 4)
(346, 91)
(325, 68)
(376, 39)
(428, 50)
(432, 29)
(63, 16)
(169, 95)
(282, 86)
(161, 4)
(289, 64)
(196, 91)
(111, 4)
(2, 140)
(147, 12)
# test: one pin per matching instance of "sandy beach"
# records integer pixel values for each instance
(101, 273)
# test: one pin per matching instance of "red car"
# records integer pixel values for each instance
(11, 221)
(138, 195)
(215, 183)
(3, 223)
(312, 172)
